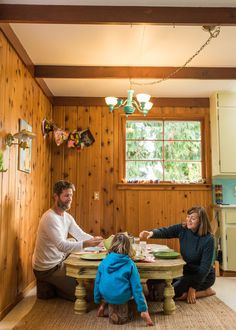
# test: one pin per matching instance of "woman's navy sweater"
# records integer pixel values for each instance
(197, 251)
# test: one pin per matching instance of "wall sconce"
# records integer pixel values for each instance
(23, 138)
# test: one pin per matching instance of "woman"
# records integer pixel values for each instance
(117, 281)
(197, 249)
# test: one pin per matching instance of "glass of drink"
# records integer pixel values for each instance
(143, 247)
(137, 245)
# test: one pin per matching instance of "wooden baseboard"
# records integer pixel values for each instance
(227, 273)
(217, 268)
(18, 298)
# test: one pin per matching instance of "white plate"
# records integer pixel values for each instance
(93, 249)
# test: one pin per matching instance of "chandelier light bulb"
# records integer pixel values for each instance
(111, 100)
(148, 106)
(143, 97)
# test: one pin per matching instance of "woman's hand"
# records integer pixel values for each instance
(191, 296)
(146, 234)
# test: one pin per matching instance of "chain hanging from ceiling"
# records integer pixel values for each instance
(214, 31)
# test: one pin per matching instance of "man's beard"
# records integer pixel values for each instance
(63, 206)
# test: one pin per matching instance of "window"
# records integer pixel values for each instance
(163, 150)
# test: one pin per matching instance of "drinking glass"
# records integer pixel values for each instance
(143, 247)
(137, 245)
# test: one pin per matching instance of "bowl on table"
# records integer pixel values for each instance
(166, 254)
(107, 242)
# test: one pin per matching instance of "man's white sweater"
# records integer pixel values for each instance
(52, 245)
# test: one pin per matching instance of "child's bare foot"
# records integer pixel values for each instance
(101, 310)
(146, 317)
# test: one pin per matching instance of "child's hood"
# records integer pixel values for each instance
(117, 261)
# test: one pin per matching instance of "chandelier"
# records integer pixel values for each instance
(130, 105)
(143, 104)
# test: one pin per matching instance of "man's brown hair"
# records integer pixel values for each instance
(61, 185)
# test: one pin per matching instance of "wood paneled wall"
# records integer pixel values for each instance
(96, 169)
(23, 197)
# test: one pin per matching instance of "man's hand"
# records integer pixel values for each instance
(93, 241)
(101, 244)
(146, 234)
(191, 296)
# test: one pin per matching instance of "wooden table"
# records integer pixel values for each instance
(166, 270)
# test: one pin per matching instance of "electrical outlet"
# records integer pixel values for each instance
(96, 195)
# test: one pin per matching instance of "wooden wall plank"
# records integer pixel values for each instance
(107, 173)
(70, 154)
(94, 172)
(82, 173)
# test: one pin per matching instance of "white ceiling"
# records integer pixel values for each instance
(129, 45)
(166, 3)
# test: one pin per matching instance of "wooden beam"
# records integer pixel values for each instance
(157, 101)
(45, 88)
(57, 14)
(126, 72)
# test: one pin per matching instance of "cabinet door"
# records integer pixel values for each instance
(230, 247)
(227, 138)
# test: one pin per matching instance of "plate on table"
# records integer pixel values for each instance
(93, 256)
(93, 249)
(166, 255)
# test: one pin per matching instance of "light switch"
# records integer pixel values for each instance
(96, 195)
(234, 190)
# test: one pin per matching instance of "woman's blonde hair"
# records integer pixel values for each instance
(204, 223)
(121, 244)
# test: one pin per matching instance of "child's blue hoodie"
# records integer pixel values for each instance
(118, 280)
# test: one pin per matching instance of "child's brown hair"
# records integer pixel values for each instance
(121, 244)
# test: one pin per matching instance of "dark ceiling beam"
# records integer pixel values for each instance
(126, 72)
(157, 101)
(54, 14)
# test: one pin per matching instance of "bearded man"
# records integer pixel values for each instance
(52, 245)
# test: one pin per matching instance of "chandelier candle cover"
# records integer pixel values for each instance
(130, 105)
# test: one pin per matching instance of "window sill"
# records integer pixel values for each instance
(164, 186)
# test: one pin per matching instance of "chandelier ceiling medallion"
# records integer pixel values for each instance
(143, 104)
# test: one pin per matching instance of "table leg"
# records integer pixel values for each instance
(80, 293)
(169, 304)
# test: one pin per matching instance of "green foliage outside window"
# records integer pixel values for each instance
(163, 150)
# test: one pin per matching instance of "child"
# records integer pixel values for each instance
(117, 279)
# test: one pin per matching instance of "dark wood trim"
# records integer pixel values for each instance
(14, 41)
(45, 89)
(57, 14)
(227, 273)
(157, 102)
(163, 186)
(124, 72)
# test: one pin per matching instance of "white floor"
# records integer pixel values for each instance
(225, 288)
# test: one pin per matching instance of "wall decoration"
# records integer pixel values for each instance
(77, 139)
(25, 154)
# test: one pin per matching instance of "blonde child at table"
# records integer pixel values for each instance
(118, 280)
